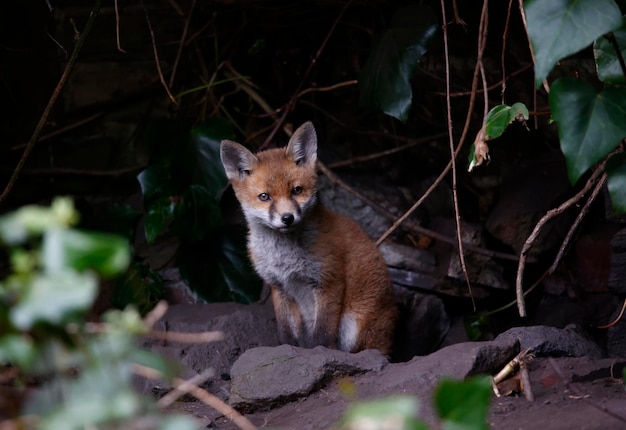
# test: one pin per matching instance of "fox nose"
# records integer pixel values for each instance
(287, 219)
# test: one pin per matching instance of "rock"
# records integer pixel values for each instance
(527, 192)
(244, 327)
(423, 324)
(617, 275)
(266, 377)
(175, 290)
(552, 341)
(481, 269)
(409, 266)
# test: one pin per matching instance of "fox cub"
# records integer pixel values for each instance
(329, 283)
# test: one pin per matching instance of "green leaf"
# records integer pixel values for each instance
(102, 393)
(398, 412)
(53, 297)
(385, 80)
(590, 124)
(178, 422)
(499, 118)
(474, 325)
(616, 170)
(17, 350)
(33, 220)
(156, 183)
(202, 159)
(607, 63)
(197, 214)
(107, 254)
(558, 28)
(218, 268)
(158, 214)
(464, 404)
(140, 286)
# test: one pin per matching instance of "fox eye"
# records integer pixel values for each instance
(296, 190)
(264, 197)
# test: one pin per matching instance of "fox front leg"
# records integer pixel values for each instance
(288, 318)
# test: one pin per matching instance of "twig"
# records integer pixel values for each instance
(457, 17)
(616, 320)
(532, 55)
(446, 169)
(117, 28)
(519, 291)
(312, 64)
(504, 37)
(524, 377)
(577, 221)
(185, 387)
(374, 156)
(577, 392)
(59, 131)
(183, 37)
(493, 86)
(155, 314)
(55, 95)
(328, 88)
(173, 336)
(79, 172)
(225, 409)
(156, 56)
(598, 175)
(202, 395)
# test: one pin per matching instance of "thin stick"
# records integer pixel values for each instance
(156, 56)
(173, 336)
(504, 36)
(577, 222)
(446, 169)
(183, 388)
(616, 320)
(117, 28)
(328, 88)
(457, 215)
(519, 291)
(597, 175)
(155, 314)
(376, 155)
(202, 395)
(55, 95)
(313, 63)
(577, 392)
(183, 37)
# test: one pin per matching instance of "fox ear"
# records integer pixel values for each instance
(302, 147)
(237, 160)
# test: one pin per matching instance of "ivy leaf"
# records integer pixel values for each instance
(197, 214)
(607, 63)
(107, 254)
(158, 215)
(558, 28)
(385, 80)
(590, 124)
(464, 404)
(616, 183)
(53, 297)
(219, 269)
(200, 161)
(499, 118)
(398, 412)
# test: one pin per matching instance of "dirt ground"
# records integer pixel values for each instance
(596, 400)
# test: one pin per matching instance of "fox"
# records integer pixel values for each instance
(329, 283)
